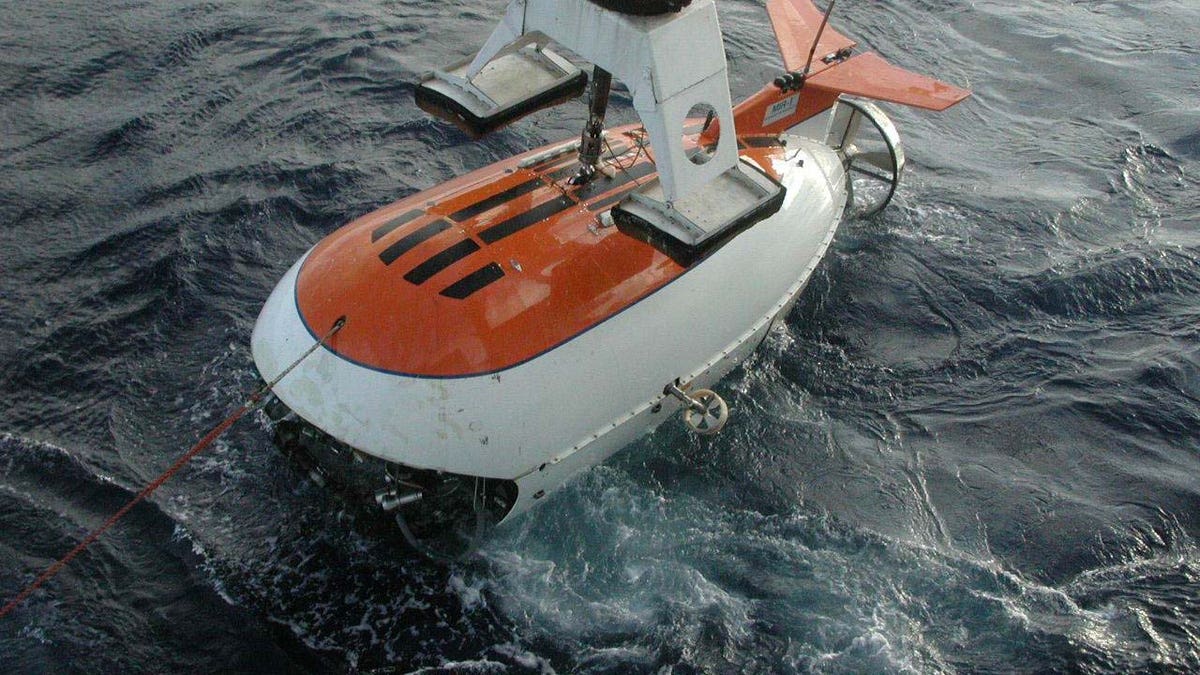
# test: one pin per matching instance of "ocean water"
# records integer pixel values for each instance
(974, 446)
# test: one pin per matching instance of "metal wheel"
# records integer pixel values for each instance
(713, 417)
(872, 152)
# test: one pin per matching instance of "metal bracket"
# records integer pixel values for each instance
(390, 499)
(673, 389)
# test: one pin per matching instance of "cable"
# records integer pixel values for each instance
(251, 404)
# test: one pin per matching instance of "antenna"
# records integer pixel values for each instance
(817, 39)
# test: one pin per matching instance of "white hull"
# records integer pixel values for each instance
(544, 420)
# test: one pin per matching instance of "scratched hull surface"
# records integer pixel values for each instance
(973, 445)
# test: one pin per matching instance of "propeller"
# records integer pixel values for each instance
(873, 155)
(709, 416)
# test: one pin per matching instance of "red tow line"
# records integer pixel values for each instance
(196, 449)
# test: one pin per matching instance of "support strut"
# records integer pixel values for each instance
(590, 142)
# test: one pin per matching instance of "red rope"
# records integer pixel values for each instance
(157, 482)
(146, 492)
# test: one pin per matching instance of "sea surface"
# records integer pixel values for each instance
(974, 446)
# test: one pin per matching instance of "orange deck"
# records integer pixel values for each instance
(488, 270)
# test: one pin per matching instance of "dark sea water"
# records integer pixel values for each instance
(974, 446)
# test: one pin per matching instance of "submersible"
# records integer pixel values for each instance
(514, 326)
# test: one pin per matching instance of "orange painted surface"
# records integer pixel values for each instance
(562, 275)
(749, 115)
(870, 76)
(867, 75)
(796, 23)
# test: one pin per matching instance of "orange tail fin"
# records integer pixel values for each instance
(868, 75)
(796, 23)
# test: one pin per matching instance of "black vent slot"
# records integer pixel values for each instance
(421, 273)
(474, 281)
(517, 223)
(386, 228)
(389, 254)
(496, 200)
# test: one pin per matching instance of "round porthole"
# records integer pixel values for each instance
(698, 144)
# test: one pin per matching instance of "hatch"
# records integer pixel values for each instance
(524, 77)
